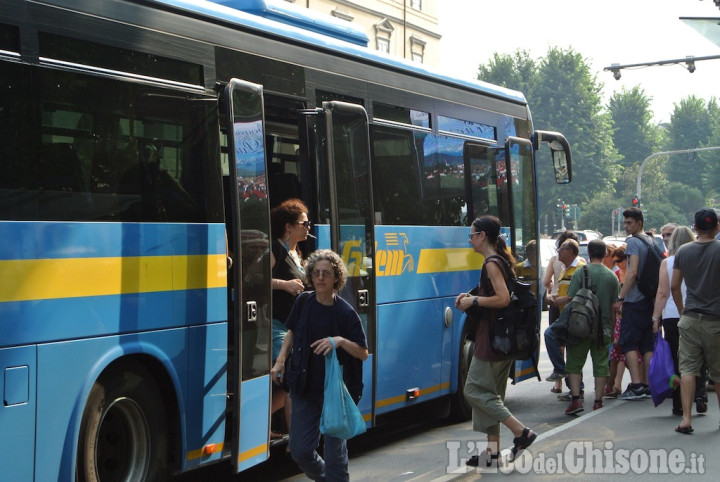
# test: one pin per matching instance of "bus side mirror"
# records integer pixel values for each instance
(562, 160)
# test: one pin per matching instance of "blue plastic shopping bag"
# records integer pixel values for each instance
(662, 378)
(340, 416)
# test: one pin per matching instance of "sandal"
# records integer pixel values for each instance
(556, 390)
(684, 430)
(523, 441)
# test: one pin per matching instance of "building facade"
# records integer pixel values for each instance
(403, 28)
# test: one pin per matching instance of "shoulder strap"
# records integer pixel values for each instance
(507, 271)
(586, 277)
(646, 239)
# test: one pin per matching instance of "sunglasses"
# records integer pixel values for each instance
(616, 261)
(322, 273)
(470, 236)
(305, 224)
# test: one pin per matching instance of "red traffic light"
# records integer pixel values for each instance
(564, 206)
(635, 201)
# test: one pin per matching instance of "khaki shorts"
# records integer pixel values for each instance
(699, 341)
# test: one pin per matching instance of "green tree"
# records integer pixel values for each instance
(515, 71)
(690, 128)
(635, 136)
(710, 160)
(568, 99)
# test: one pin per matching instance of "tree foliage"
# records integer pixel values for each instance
(609, 143)
(689, 128)
(564, 96)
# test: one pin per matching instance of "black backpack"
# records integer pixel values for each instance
(514, 332)
(647, 278)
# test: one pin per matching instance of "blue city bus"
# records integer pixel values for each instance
(142, 146)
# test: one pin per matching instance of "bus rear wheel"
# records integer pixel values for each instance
(123, 433)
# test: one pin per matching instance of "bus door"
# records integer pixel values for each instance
(248, 229)
(346, 207)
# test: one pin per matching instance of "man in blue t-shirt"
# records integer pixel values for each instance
(636, 332)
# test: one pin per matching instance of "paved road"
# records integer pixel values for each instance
(626, 437)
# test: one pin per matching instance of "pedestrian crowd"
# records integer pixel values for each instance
(684, 309)
(638, 292)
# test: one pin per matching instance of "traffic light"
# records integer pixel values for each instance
(635, 201)
(559, 210)
(566, 210)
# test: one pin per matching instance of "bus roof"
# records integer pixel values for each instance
(340, 42)
(289, 14)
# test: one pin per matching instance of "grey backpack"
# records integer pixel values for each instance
(584, 310)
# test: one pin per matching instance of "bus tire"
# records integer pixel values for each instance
(460, 409)
(123, 432)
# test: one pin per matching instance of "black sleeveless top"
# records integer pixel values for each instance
(285, 269)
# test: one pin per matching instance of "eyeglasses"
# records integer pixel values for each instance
(470, 236)
(322, 273)
(616, 261)
(305, 224)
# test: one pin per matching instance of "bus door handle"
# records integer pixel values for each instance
(251, 311)
(363, 299)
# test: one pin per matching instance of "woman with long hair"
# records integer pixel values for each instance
(488, 374)
(666, 314)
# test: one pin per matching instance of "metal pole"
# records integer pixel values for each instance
(667, 153)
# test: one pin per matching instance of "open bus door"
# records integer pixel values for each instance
(346, 207)
(249, 300)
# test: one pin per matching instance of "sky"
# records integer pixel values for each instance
(603, 32)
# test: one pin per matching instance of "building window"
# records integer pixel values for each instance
(416, 4)
(383, 45)
(383, 34)
(417, 49)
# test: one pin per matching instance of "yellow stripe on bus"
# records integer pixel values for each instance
(248, 454)
(445, 260)
(402, 398)
(40, 279)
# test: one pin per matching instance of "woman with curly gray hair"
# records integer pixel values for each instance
(315, 317)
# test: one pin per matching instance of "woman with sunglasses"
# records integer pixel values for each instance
(315, 317)
(290, 226)
(488, 374)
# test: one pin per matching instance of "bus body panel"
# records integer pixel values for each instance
(418, 262)
(92, 279)
(206, 392)
(413, 352)
(17, 413)
(254, 422)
